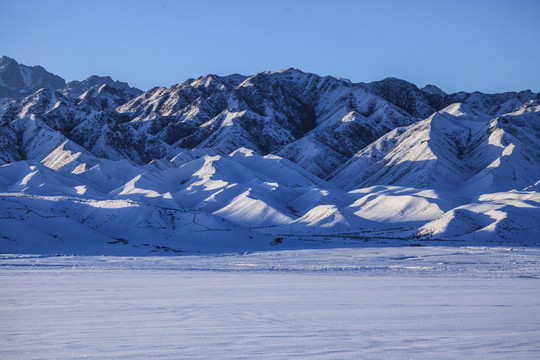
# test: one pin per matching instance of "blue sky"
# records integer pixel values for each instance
(491, 46)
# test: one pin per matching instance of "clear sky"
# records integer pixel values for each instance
(491, 46)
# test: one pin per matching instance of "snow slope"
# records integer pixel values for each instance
(455, 147)
(264, 160)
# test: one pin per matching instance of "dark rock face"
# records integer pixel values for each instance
(406, 96)
(18, 80)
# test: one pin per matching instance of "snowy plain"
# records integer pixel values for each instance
(392, 302)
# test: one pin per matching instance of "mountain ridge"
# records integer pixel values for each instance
(271, 154)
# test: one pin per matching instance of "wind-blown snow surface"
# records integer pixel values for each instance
(383, 302)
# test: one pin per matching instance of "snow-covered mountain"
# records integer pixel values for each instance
(18, 80)
(455, 149)
(248, 159)
(77, 88)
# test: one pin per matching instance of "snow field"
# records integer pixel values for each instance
(312, 304)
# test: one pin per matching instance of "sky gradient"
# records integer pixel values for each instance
(490, 46)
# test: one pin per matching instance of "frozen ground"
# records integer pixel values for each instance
(381, 302)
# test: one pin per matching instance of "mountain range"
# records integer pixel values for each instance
(236, 162)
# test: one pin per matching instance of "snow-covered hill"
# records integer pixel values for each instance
(96, 166)
(455, 149)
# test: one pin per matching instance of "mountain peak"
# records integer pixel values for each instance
(97, 78)
(290, 70)
(433, 90)
(404, 95)
(5, 60)
(390, 80)
(77, 88)
(17, 80)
